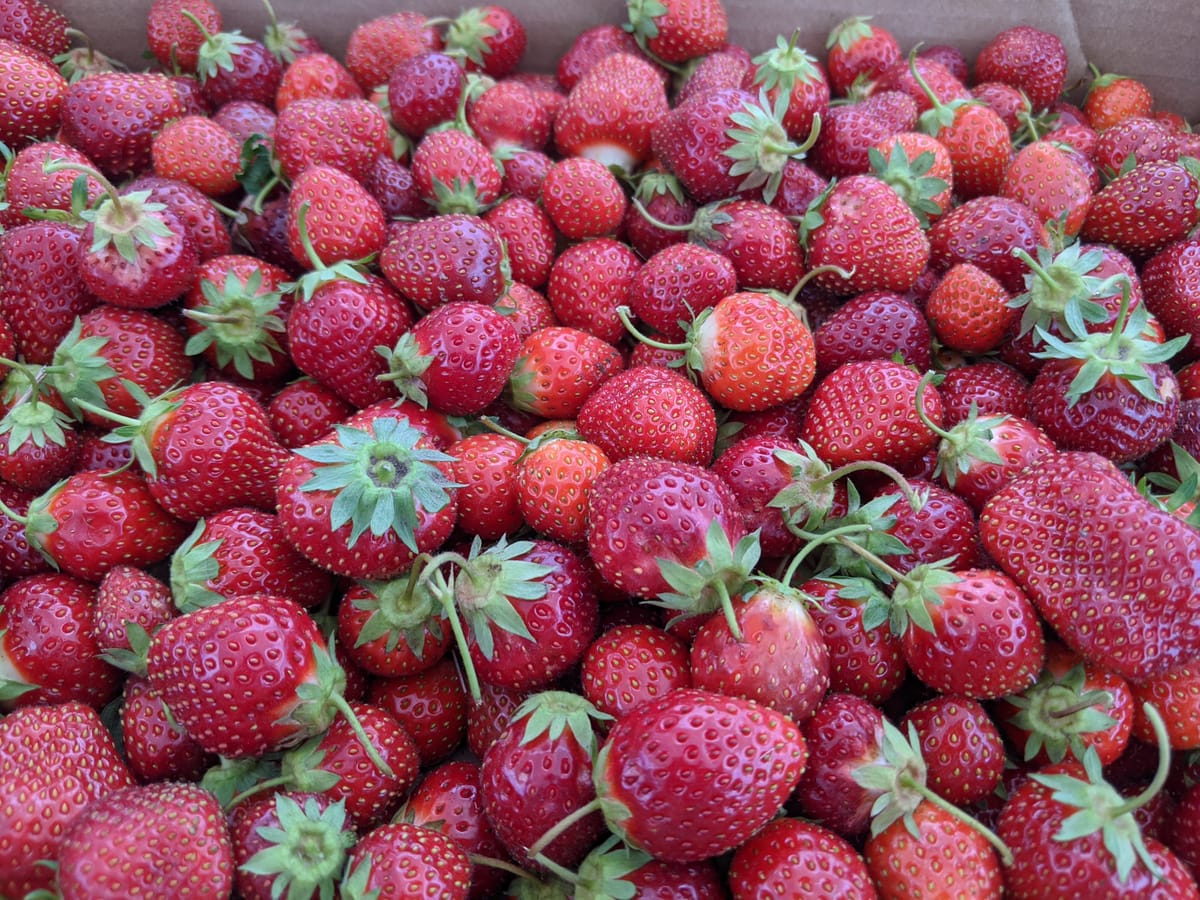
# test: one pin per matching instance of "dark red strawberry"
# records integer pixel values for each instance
(792, 852)
(409, 855)
(156, 747)
(432, 705)
(444, 258)
(33, 97)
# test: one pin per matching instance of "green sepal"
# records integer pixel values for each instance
(402, 609)
(467, 35)
(552, 713)
(133, 658)
(720, 574)
(193, 566)
(301, 767)
(77, 368)
(407, 365)
(808, 498)
(1058, 734)
(239, 321)
(306, 852)
(35, 422)
(641, 19)
(602, 873)
(966, 444)
(488, 582)
(897, 776)
(354, 885)
(126, 225)
(913, 597)
(230, 778)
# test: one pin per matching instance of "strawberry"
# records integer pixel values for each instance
(961, 746)
(112, 117)
(304, 410)
(174, 38)
(1166, 279)
(986, 231)
(48, 646)
(424, 90)
(156, 748)
(1146, 208)
(238, 551)
(129, 594)
(558, 369)
(788, 69)
(332, 218)
(969, 310)
(583, 198)
(390, 629)
(128, 841)
(862, 227)
(1050, 182)
(231, 66)
(510, 116)
(448, 800)
(1112, 98)
(694, 774)
(677, 30)
(791, 852)
(28, 186)
(455, 172)
(648, 410)
(1177, 696)
(445, 257)
(657, 198)
(199, 151)
(1147, 637)
(1030, 59)
(676, 284)
(858, 49)
(35, 25)
(32, 96)
(554, 478)
(614, 866)
(848, 132)
(552, 737)
(780, 660)
(485, 467)
(489, 39)
(868, 410)
(314, 76)
(589, 47)
(58, 758)
(200, 217)
(365, 499)
(345, 134)
(919, 168)
(391, 184)
(873, 325)
(995, 388)
(456, 359)
(632, 664)
(377, 46)
(431, 705)
(401, 857)
(611, 111)
(588, 282)
(758, 239)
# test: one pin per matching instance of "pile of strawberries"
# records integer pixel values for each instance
(695, 472)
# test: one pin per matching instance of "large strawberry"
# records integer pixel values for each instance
(32, 96)
(1118, 588)
(677, 30)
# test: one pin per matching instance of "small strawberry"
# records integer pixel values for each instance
(558, 369)
(332, 218)
(1048, 180)
(445, 257)
(554, 478)
(199, 151)
(486, 468)
(510, 116)
(583, 198)
(631, 664)
(588, 282)
(490, 39)
(313, 76)
(969, 310)
(791, 852)
(859, 50)
(401, 856)
(1112, 98)
(677, 30)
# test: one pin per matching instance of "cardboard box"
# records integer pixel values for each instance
(1153, 40)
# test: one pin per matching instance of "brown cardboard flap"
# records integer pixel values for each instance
(1154, 40)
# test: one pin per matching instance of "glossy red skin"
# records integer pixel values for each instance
(451, 157)
(1144, 210)
(112, 117)
(449, 800)
(961, 746)
(490, 715)
(35, 468)
(1150, 633)
(940, 80)
(529, 236)
(199, 215)
(374, 656)
(1044, 867)
(254, 75)
(844, 734)
(262, 648)
(246, 818)
(444, 258)
(647, 238)
(424, 90)
(527, 786)
(644, 509)
(47, 640)
(35, 25)
(650, 411)
(129, 594)
(27, 185)
(847, 133)
(583, 198)
(808, 859)
(215, 450)
(589, 47)
(1019, 444)
(1113, 418)
(553, 484)
(486, 467)
(558, 369)
(406, 857)
(161, 273)
(1185, 837)
(305, 410)
(943, 528)
(985, 231)
(562, 622)
(57, 758)
(1027, 58)
(946, 850)
(1171, 285)
(995, 388)
(473, 349)
(756, 475)
(333, 335)
(129, 842)
(697, 773)
(347, 134)
(97, 520)
(156, 748)
(873, 325)
(780, 661)
(588, 281)
(631, 664)
(344, 221)
(1177, 696)
(868, 664)
(691, 141)
(762, 244)
(17, 557)
(254, 557)
(432, 705)
(43, 290)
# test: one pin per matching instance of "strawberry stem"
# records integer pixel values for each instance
(623, 315)
(302, 227)
(502, 864)
(870, 465)
(913, 784)
(253, 791)
(1164, 763)
(443, 591)
(65, 165)
(815, 542)
(560, 827)
(343, 706)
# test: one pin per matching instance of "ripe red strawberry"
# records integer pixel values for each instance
(32, 96)
(1113, 98)
(332, 218)
(485, 467)
(28, 186)
(424, 90)
(455, 172)
(314, 76)
(529, 238)
(694, 774)
(199, 151)
(583, 198)
(390, 183)
(1167, 281)
(128, 842)
(977, 140)
(112, 117)
(35, 25)
(969, 310)
(868, 410)
(792, 852)
(676, 284)
(589, 47)
(379, 527)
(389, 630)
(129, 594)
(552, 737)
(443, 258)
(660, 199)
(490, 39)
(490, 714)
(403, 857)
(510, 116)
(456, 359)
(873, 325)
(304, 410)
(432, 705)
(859, 50)
(206, 224)
(1177, 697)
(1050, 182)
(588, 282)
(155, 747)
(986, 231)
(863, 227)
(174, 39)
(345, 134)
(962, 749)
(48, 647)
(758, 239)
(631, 664)
(1146, 208)
(1028, 58)
(610, 112)
(558, 369)
(678, 30)
(1147, 636)
(57, 758)
(554, 478)
(650, 411)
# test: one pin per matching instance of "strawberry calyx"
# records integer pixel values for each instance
(400, 609)
(1059, 290)
(603, 871)
(642, 23)
(80, 62)
(1125, 353)
(939, 116)
(910, 179)
(239, 321)
(849, 32)
(964, 444)
(35, 421)
(136, 432)
(306, 851)
(551, 713)
(1183, 497)
(467, 35)
(77, 368)
(193, 566)
(379, 477)
(785, 64)
(761, 146)
(230, 778)
(652, 182)
(711, 583)
(913, 595)
(285, 40)
(131, 659)
(1102, 808)
(809, 496)
(1056, 711)
(13, 683)
(899, 777)
(407, 365)
(217, 50)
